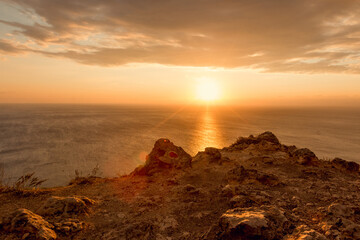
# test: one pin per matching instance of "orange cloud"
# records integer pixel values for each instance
(277, 36)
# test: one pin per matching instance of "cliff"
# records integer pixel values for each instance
(257, 188)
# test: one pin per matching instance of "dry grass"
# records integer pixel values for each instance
(28, 181)
(87, 179)
(25, 182)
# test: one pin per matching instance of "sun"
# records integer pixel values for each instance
(207, 90)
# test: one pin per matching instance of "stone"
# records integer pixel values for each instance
(65, 206)
(345, 165)
(241, 201)
(303, 232)
(269, 137)
(266, 138)
(305, 156)
(352, 230)
(164, 155)
(168, 222)
(228, 191)
(69, 226)
(250, 223)
(27, 222)
(340, 210)
(210, 155)
(242, 175)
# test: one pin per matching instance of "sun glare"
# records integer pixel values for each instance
(207, 90)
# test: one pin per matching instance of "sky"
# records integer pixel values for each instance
(256, 52)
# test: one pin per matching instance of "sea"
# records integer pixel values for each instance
(58, 142)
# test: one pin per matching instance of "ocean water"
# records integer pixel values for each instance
(55, 140)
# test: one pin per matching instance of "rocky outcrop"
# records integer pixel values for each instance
(257, 189)
(340, 221)
(164, 155)
(69, 226)
(304, 156)
(250, 223)
(303, 232)
(345, 165)
(28, 224)
(65, 206)
(210, 155)
(262, 139)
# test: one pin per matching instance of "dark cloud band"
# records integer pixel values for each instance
(280, 35)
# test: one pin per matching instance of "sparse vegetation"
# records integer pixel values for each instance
(24, 183)
(94, 174)
(28, 181)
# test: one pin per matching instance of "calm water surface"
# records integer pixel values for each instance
(56, 140)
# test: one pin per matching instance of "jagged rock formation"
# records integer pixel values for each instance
(266, 138)
(257, 188)
(250, 223)
(210, 155)
(345, 165)
(164, 155)
(303, 232)
(305, 157)
(28, 224)
(52, 220)
(65, 206)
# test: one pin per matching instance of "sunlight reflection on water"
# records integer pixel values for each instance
(208, 133)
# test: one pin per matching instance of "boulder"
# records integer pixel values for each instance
(210, 155)
(241, 201)
(69, 226)
(303, 232)
(266, 139)
(164, 155)
(352, 230)
(65, 206)
(228, 191)
(250, 223)
(345, 165)
(341, 227)
(340, 210)
(305, 156)
(26, 222)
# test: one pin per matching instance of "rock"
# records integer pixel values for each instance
(69, 226)
(304, 156)
(228, 191)
(269, 137)
(266, 137)
(250, 223)
(352, 230)
(242, 175)
(241, 201)
(168, 222)
(340, 210)
(210, 155)
(25, 221)
(303, 232)
(214, 154)
(164, 155)
(65, 206)
(345, 165)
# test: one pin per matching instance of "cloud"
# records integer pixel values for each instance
(7, 47)
(279, 36)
